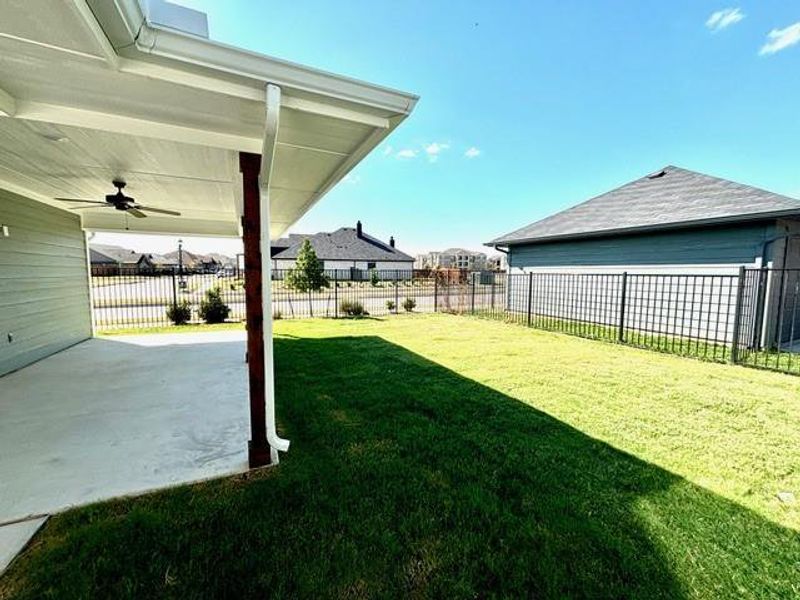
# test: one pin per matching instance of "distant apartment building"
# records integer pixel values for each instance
(496, 262)
(452, 258)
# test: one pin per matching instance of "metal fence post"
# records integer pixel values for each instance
(472, 305)
(174, 290)
(622, 304)
(336, 294)
(397, 293)
(737, 316)
(530, 295)
(435, 293)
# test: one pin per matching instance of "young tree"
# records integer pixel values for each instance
(308, 274)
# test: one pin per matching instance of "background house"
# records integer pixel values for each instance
(115, 260)
(452, 258)
(201, 263)
(348, 251)
(673, 221)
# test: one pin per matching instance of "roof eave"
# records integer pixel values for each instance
(130, 31)
(503, 241)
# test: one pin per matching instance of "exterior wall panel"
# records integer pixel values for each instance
(731, 245)
(44, 286)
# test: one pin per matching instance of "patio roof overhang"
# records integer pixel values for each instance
(92, 90)
(239, 143)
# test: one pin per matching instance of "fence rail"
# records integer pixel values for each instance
(751, 317)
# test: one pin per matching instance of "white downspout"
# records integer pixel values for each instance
(273, 107)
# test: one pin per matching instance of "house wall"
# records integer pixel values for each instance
(44, 285)
(701, 306)
(719, 247)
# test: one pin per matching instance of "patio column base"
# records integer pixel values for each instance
(258, 455)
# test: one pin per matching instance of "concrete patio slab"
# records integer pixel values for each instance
(14, 537)
(122, 415)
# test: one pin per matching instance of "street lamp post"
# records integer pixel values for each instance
(180, 264)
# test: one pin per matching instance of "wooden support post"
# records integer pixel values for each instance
(258, 448)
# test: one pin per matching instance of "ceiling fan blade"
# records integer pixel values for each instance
(77, 200)
(88, 207)
(162, 211)
(135, 212)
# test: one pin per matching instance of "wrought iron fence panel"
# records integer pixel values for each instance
(750, 317)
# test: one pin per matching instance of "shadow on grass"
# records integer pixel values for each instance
(407, 480)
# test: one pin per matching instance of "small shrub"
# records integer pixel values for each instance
(409, 304)
(390, 305)
(374, 279)
(212, 308)
(352, 308)
(277, 316)
(180, 313)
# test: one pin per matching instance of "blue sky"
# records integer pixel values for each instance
(561, 100)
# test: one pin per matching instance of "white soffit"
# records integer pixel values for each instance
(80, 112)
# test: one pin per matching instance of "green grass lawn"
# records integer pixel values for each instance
(438, 456)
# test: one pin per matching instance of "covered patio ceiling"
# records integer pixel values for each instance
(95, 91)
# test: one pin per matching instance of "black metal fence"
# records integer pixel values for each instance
(131, 298)
(751, 317)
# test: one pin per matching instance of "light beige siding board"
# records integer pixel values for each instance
(44, 299)
(20, 271)
(32, 259)
(50, 240)
(46, 302)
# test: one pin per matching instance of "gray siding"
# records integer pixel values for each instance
(733, 244)
(44, 292)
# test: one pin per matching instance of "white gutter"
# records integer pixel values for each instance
(128, 28)
(273, 103)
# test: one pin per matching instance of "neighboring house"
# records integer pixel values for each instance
(114, 260)
(452, 258)
(162, 262)
(672, 221)
(348, 251)
(200, 263)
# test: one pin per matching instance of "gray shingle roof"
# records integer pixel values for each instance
(105, 253)
(344, 244)
(678, 198)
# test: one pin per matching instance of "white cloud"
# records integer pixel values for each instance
(406, 153)
(780, 39)
(434, 150)
(724, 18)
(388, 151)
(472, 152)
